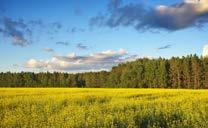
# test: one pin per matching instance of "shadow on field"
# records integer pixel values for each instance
(161, 120)
(90, 100)
(150, 96)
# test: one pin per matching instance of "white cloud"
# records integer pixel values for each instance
(33, 63)
(205, 51)
(93, 62)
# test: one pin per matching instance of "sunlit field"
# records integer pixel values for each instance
(62, 107)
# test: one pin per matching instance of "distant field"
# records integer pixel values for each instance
(62, 107)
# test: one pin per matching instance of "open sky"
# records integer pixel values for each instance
(92, 35)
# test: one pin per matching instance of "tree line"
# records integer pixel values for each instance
(178, 72)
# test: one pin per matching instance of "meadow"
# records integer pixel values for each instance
(115, 108)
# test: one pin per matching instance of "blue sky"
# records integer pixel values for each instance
(91, 35)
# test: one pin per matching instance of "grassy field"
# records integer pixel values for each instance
(58, 107)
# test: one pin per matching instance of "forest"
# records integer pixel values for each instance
(189, 72)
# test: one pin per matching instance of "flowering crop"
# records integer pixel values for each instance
(116, 108)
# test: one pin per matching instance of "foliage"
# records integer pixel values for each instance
(185, 72)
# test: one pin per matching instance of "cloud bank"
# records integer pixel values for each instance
(189, 13)
(93, 62)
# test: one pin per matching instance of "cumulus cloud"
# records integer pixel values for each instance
(205, 51)
(33, 63)
(93, 62)
(189, 13)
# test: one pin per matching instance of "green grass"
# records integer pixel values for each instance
(121, 108)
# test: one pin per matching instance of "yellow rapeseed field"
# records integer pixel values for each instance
(88, 108)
